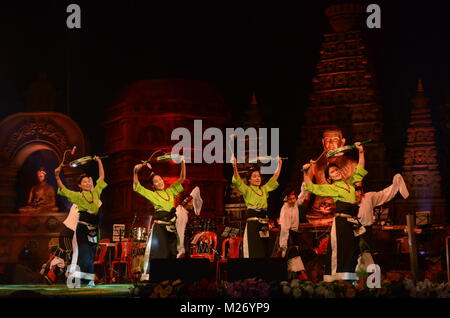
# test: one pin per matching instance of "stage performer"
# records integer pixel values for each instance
(84, 241)
(256, 233)
(323, 207)
(342, 249)
(367, 202)
(188, 202)
(162, 242)
(289, 240)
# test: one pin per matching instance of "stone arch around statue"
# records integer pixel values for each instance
(22, 134)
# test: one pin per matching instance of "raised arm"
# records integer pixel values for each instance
(277, 172)
(101, 171)
(235, 169)
(306, 177)
(183, 171)
(360, 148)
(58, 179)
(136, 171)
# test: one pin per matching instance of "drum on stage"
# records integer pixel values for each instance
(140, 239)
(137, 261)
(139, 234)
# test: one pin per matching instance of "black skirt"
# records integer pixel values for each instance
(162, 243)
(255, 246)
(343, 249)
(84, 243)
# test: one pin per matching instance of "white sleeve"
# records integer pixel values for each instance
(197, 201)
(284, 222)
(303, 194)
(181, 227)
(365, 212)
(389, 193)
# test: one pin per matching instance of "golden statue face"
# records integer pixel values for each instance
(41, 175)
(332, 140)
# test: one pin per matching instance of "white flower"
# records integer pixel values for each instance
(427, 283)
(320, 290)
(409, 285)
(309, 289)
(329, 294)
(295, 283)
(286, 290)
(297, 292)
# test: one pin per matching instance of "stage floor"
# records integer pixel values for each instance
(109, 290)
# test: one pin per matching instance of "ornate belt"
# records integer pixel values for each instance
(260, 220)
(163, 222)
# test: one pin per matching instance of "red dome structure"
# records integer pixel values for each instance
(140, 122)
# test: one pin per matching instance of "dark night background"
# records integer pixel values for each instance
(270, 47)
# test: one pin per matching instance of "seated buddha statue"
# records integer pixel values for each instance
(42, 197)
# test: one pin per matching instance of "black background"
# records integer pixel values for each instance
(270, 47)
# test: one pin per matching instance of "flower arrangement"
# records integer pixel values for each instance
(343, 289)
(247, 288)
(205, 289)
(178, 289)
(258, 288)
(165, 289)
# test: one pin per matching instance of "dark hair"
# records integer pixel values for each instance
(251, 170)
(327, 171)
(81, 177)
(288, 191)
(358, 186)
(152, 176)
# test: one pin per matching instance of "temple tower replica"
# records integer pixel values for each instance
(421, 165)
(344, 95)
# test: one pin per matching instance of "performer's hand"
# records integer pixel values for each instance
(58, 171)
(97, 158)
(234, 160)
(138, 167)
(279, 160)
(306, 166)
(148, 165)
(358, 146)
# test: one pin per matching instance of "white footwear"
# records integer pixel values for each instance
(91, 284)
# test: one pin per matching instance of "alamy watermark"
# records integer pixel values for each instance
(374, 279)
(221, 147)
(373, 21)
